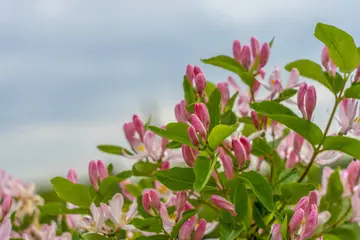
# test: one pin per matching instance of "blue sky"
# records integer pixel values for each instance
(71, 72)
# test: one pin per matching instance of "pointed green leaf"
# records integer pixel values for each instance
(112, 149)
(175, 131)
(343, 144)
(213, 107)
(148, 224)
(286, 94)
(229, 232)
(341, 45)
(260, 187)
(144, 168)
(189, 93)
(219, 134)
(292, 192)
(176, 178)
(353, 91)
(93, 236)
(225, 62)
(203, 168)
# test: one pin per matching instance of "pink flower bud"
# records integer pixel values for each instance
(357, 74)
(255, 119)
(178, 115)
(276, 232)
(246, 57)
(292, 160)
(325, 58)
(295, 221)
(255, 47)
(223, 204)
(333, 68)
(190, 73)
(139, 126)
(298, 142)
(200, 82)
(302, 204)
(353, 170)
(93, 174)
(237, 50)
(200, 230)
(264, 54)
(186, 230)
(146, 202)
(103, 171)
(301, 98)
(202, 113)
(198, 125)
(240, 152)
(310, 101)
(180, 201)
(197, 70)
(247, 145)
(6, 205)
(165, 165)
(193, 136)
(72, 176)
(256, 85)
(188, 155)
(311, 223)
(225, 93)
(129, 131)
(228, 166)
(154, 197)
(313, 197)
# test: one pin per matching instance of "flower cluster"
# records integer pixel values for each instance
(236, 163)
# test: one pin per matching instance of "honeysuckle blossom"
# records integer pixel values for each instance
(274, 85)
(5, 229)
(294, 152)
(347, 118)
(95, 222)
(48, 232)
(355, 204)
(115, 212)
(244, 98)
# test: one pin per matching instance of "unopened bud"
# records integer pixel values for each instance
(200, 230)
(247, 146)
(255, 47)
(200, 82)
(189, 155)
(325, 58)
(190, 73)
(301, 98)
(246, 57)
(139, 126)
(72, 176)
(255, 119)
(296, 220)
(93, 175)
(103, 171)
(180, 201)
(223, 204)
(264, 54)
(240, 152)
(193, 136)
(310, 101)
(186, 230)
(202, 113)
(225, 93)
(198, 125)
(228, 166)
(129, 131)
(197, 70)
(146, 202)
(6, 205)
(237, 50)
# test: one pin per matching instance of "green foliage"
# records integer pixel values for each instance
(343, 144)
(189, 93)
(112, 149)
(176, 178)
(214, 107)
(353, 91)
(59, 208)
(93, 236)
(186, 215)
(219, 134)
(144, 168)
(292, 192)
(203, 168)
(77, 194)
(148, 224)
(175, 131)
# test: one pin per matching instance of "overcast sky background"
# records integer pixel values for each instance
(72, 72)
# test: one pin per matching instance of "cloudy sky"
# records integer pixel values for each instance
(72, 72)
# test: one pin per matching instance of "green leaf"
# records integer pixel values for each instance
(176, 131)
(209, 88)
(228, 118)
(59, 208)
(260, 147)
(229, 232)
(219, 134)
(258, 218)
(203, 168)
(272, 42)
(292, 192)
(189, 93)
(261, 188)
(176, 178)
(248, 129)
(346, 231)
(343, 144)
(148, 224)
(305, 128)
(286, 94)
(272, 107)
(173, 145)
(112, 149)
(93, 236)
(124, 175)
(342, 48)
(214, 107)
(154, 237)
(247, 78)
(311, 70)
(230, 104)
(284, 228)
(335, 82)
(225, 62)
(186, 215)
(133, 190)
(106, 188)
(77, 194)
(353, 91)
(144, 168)
(330, 237)
(240, 198)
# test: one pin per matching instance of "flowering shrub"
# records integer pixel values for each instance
(233, 166)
